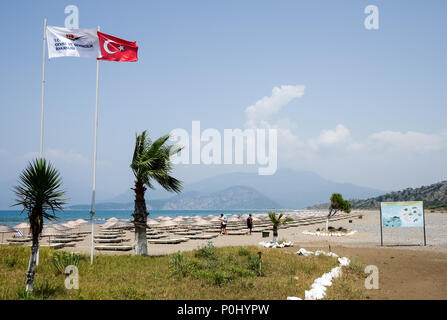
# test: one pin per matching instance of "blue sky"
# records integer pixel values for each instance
(372, 113)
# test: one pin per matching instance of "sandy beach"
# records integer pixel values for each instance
(367, 235)
(408, 270)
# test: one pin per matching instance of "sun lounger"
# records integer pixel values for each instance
(213, 230)
(114, 247)
(107, 236)
(61, 240)
(116, 240)
(53, 245)
(237, 233)
(168, 241)
(202, 236)
(186, 233)
(156, 236)
(18, 240)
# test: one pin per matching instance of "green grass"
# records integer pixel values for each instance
(350, 285)
(206, 273)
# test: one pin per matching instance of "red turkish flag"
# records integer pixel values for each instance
(116, 49)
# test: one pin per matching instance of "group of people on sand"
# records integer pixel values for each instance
(224, 221)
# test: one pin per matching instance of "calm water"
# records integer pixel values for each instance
(14, 217)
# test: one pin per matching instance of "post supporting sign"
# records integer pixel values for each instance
(402, 215)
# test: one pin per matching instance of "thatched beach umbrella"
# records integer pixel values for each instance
(119, 225)
(6, 229)
(23, 226)
(234, 219)
(179, 219)
(167, 223)
(61, 227)
(215, 219)
(70, 224)
(51, 232)
(165, 218)
(81, 221)
(152, 223)
(201, 222)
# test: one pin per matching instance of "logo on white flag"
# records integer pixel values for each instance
(63, 42)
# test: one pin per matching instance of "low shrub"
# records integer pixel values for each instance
(62, 259)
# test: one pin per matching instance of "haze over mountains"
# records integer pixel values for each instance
(285, 189)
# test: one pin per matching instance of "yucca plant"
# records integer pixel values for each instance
(62, 259)
(151, 162)
(277, 221)
(40, 195)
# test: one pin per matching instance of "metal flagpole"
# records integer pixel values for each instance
(42, 99)
(43, 86)
(92, 211)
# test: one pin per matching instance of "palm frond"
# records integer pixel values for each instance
(151, 161)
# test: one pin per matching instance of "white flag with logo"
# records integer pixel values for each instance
(63, 42)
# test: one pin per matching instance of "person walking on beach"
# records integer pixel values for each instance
(223, 224)
(249, 223)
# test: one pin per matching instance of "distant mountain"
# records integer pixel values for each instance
(288, 188)
(236, 197)
(434, 197)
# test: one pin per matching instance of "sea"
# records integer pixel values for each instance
(14, 217)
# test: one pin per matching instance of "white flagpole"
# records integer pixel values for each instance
(92, 211)
(42, 99)
(43, 86)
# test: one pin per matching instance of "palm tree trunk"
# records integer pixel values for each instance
(140, 219)
(32, 265)
(275, 233)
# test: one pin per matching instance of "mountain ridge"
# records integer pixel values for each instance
(433, 195)
(236, 197)
(287, 187)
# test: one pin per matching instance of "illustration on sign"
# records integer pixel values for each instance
(402, 214)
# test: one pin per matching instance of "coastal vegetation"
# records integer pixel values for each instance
(205, 273)
(40, 195)
(150, 162)
(277, 220)
(337, 204)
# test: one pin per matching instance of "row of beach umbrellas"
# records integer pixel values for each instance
(50, 230)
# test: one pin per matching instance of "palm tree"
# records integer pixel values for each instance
(151, 161)
(277, 221)
(39, 191)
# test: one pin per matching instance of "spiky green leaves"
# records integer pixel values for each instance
(40, 188)
(277, 219)
(152, 161)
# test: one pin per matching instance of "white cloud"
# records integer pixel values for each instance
(409, 141)
(334, 145)
(329, 138)
(268, 106)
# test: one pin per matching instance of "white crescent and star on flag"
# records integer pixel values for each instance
(106, 47)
